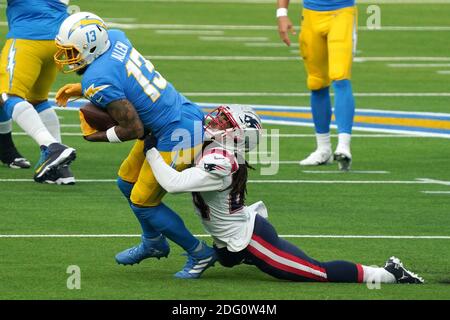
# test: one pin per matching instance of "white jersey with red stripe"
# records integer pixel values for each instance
(223, 212)
(224, 215)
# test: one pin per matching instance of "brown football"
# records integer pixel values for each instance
(97, 118)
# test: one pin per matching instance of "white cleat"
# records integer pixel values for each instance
(317, 158)
(344, 159)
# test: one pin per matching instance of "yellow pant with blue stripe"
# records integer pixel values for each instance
(27, 68)
(327, 45)
(135, 169)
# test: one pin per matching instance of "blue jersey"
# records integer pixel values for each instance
(327, 5)
(123, 73)
(35, 19)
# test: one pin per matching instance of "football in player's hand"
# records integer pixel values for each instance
(97, 118)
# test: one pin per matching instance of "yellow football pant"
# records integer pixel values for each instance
(27, 68)
(135, 169)
(327, 44)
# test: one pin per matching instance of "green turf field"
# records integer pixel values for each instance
(389, 202)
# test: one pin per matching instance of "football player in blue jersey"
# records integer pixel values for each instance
(27, 71)
(117, 78)
(327, 44)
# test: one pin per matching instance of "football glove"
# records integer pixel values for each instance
(86, 129)
(66, 92)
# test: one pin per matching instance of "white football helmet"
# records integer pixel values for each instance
(234, 127)
(81, 39)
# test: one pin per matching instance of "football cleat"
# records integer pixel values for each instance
(13, 159)
(344, 159)
(61, 175)
(395, 266)
(18, 163)
(146, 249)
(53, 156)
(197, 263)
(317, 158)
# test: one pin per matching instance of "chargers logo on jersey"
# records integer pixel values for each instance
(90, 92)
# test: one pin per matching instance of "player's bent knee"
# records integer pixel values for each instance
(147, 198)
(315, 83)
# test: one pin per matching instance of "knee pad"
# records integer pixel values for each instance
(315, 83)
(146, 197)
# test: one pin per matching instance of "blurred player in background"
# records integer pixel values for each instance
(27, 71)
(241, 233)
(118, 79)
(327, 44)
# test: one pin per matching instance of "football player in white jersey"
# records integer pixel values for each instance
(241, 233)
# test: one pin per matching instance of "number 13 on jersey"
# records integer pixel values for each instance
(145, 74)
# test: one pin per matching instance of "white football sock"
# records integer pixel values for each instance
(377, 275)
(323, 141)
(344, 141)
(28, 119)
(51, 121)
(5, 127)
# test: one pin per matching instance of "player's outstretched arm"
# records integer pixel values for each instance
(129, 126)
(189, 180)
(284, 23)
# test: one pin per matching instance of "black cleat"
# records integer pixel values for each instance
(18, 163)
(61, 175)
(344, 160)
(395, 266)
(54, 156)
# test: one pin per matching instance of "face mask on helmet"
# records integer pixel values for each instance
(68, 58)
(81, 39)
(235, 128)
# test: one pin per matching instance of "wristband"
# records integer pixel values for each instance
(282, 12)
(112, 135)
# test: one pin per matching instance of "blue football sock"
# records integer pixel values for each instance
(147, 230)
(3, 116)
(9, 104)
(321, 109)
(344, 108)
(167, 222)
(125, 188)
(43, 106)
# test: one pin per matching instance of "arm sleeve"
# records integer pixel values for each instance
(189, 180)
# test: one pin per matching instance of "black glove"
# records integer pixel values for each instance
(149, 142)
(146, 133)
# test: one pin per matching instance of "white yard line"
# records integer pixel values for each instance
(272, 181)
(340, 172)
(418, 65)
(150, 26)
(191, 32)
(284, 58)
(319, 236)
(307, 94)
(443, 72)
(243, 39)
(270, 2)
(271, 44)
(284, 135)
(222, 58)
(287, 135)
(436, 192)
